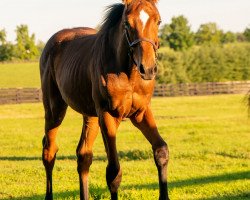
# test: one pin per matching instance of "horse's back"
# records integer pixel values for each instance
(71, 34)
(61, 37)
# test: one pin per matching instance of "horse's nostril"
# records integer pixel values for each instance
(142, 70)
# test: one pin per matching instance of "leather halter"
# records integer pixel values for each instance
(135, 42)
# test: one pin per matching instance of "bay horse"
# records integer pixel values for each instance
(106, 76)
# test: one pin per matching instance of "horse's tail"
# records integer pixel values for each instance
(46, 56)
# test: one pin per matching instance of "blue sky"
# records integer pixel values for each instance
(45, 17)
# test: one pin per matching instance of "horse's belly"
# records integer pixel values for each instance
(78, 96)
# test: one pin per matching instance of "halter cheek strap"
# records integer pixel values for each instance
(135, 42)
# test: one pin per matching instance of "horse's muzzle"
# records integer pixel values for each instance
(147, 73)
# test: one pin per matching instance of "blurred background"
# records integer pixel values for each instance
(200, 104)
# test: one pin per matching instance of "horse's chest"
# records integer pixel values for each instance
(124, 98)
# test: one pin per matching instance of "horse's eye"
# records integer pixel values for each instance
(159, 22)
(127, 25)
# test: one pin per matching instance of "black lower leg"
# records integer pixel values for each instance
(113, 178)
(49, 168)
(161, 157)
(49, 192)
(49, 157)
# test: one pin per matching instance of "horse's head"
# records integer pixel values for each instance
(141, 21)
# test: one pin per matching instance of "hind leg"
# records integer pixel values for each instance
(55, 109)
(84, 153)
(50, 147)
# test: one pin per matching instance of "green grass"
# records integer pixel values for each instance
(208, 139)
(14, 75)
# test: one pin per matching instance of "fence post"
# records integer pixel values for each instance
(40, 95)
(18, 100)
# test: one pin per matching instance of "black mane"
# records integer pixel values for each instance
(104, 48)
(113, 16)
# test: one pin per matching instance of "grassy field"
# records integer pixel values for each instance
(208, 139)
(14, 75)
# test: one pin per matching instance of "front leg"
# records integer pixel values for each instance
(145, 122)
(109, 125)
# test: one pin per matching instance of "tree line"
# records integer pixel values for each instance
(179, 36)
(207, 55)
(229, 62)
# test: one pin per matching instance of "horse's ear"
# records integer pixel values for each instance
(126, 2)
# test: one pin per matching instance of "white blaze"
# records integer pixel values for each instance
(144, 18)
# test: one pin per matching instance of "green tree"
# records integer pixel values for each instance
(2, 36)
(208, 34)
(237, 61)
(177, 35)
(171, 68)
(228, 37)
(164, 33)
(25, 48)
(205, 64)
(247, 34)
(6, 48)
(240, 37)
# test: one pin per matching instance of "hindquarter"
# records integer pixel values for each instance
(68, 54)
(73, 75)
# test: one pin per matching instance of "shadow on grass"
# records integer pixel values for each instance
(242, 196)
(24, 158)
(38, 197)
(212, 179)
(123, 155)
(99, 192)
(197, 181)
(95, 192)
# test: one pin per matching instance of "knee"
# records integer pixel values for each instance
(84, 161)
(161, 155)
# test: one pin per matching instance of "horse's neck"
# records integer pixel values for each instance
(119, 51)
